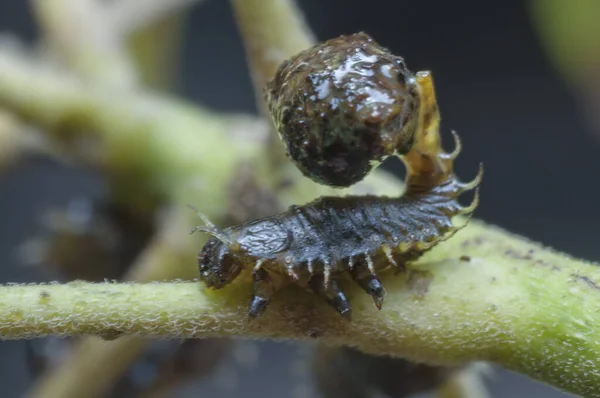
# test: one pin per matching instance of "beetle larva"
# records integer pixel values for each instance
(341, 107)
(317, 244)
(314, 244)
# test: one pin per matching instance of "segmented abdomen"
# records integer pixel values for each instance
(331, 233)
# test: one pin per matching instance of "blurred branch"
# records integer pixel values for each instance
(155, 51)
(343, 372)
(82, 35)
(153, 31)
(150, 146)
(131, 15)
(18, 140)
(11, 142)
(91, 37)
(511, 302)
(570, 33)
(272, 31)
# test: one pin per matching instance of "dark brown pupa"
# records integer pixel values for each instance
(341, 107)
(317, 244)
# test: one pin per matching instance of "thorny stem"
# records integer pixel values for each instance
(483, 295)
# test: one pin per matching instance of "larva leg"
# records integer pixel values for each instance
(332, 294)
(369, 282)
(373, 286)
(263, 290)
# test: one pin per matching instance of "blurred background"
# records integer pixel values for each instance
(519, 81)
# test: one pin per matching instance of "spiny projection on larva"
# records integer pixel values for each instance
(317, 244)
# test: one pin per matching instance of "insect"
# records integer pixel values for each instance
(341, 107)
(319, 243)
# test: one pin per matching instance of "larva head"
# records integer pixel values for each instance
(342, 107)
(218, 263)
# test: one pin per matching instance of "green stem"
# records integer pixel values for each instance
(150, 146)
(272, 31)
(483, 295)
(155, 50)
(569, 33)
(85, 40)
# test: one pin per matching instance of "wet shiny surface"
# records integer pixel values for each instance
(343, 106)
